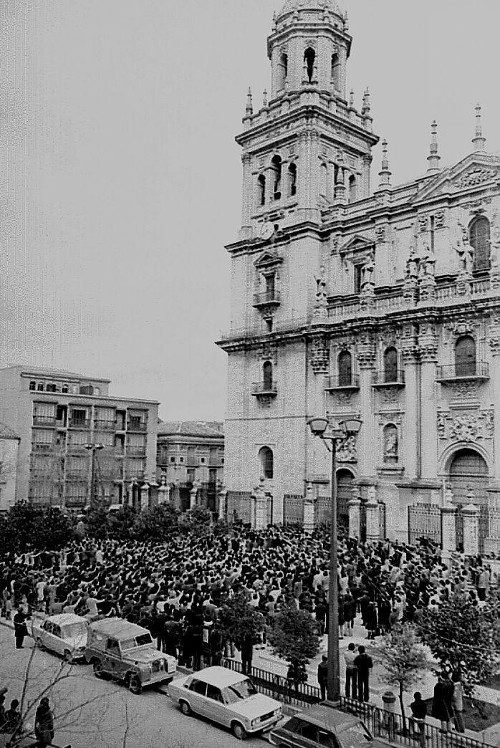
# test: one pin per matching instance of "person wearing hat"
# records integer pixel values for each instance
(44, 723)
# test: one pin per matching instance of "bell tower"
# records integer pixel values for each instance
(307, 146)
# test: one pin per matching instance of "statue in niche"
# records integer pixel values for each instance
(412, 264)
(495, 249)
(427, 266)
(367, 282)
(321, 285)
(391, 445)
(465, 252)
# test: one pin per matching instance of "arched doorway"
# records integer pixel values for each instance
(344, 495)
(468, 474)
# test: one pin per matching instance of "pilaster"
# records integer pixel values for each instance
(354, 506)
(222, 508)
(470, 514)
(259, 513)
(144, 496)
(410, 356)
(448, 530)
(494, 342)
(366, 363)
(372, 518)
(427, 343)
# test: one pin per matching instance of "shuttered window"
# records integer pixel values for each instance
(479, 237)
(345, 369)
(465, 356)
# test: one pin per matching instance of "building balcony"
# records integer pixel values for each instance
(42, 447)
(136, 451)
(44, 421)
(266, 299)
(383, 379)
(79, 423)
(264, 389)
(136, 476)
(333, 384)
(78, 475)
(105, 425)
(137, 426)
(449, 374)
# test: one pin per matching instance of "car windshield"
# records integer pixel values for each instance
(138, 641)
(72, 630)
(238, 691)
(355, 735)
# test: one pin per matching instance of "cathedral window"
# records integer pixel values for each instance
(479, 237)
(309, 59)
(267, 375)
(266, 457)
(276, 167)
(358, 277)
(390, 365)
(352, 188)
(345, 369)
(261, 188)
(335, 72)
(282, 71)
(324, 180)
(292, 180)
(465, 356)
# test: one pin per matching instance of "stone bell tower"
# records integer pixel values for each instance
(308, 146)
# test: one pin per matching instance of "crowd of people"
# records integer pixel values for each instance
(11, 720)
(176, 589)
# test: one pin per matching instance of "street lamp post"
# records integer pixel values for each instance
(331, 434)
(93, 448)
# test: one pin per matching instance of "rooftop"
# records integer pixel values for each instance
(191, 428)
(7, 433)
(41, 371)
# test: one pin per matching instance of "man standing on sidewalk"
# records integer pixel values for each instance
(351, 672)
(363, 663)
(323, 676)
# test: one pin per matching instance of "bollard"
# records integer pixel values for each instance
(389, 721)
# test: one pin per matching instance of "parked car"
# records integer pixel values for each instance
(125, 652)
(228, 698)
(326, 727)
(64, 633)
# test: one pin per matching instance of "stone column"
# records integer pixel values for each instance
(372, 519)
(163, 494)
(193, 494)
(249, 191)
(130, 495)
(222, 509)
(494, 340)
(470, 514)
(448, 530)
(308, 176)
(309, 509)
(259, 499)
(354, 518)
(366, 439)
(412, 446)
(428, 407)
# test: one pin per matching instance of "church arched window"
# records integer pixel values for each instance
(309, 59)
(266, 457)
(261, 189)
(465, 356)
(352, 188)
(324, 180)
(345, 369)
(282, 71)
(390, 365)
(276, 167)
(479, 237)
(335, 72)
(292, 180)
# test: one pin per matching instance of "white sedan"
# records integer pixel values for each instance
(228, 698)
(65, 634)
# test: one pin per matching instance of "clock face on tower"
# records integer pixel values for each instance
(266, 230)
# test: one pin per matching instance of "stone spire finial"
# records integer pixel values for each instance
(433, 158)
(264, 98)
(346, 22)
(249, 106)
(385, 173)
(340, 188)
(479, 141)
(365, 110)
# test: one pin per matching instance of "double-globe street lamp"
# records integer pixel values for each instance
(331, 433)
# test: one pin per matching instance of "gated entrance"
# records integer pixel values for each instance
(424, 521)
(238, 506)
(469, 477)
(293, 509)
(344, 495)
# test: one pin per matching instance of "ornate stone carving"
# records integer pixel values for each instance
(467, 427)
(366, 350)
(464, 428)
(474, 176)
(343, 398)
(441, 425)
(390, 395)
(320, 354)
(423, 223)
(380, 233)
(347, 451)
(391, 443)
(463, 390)
(465, 252)
(268, 351)
(439, 217)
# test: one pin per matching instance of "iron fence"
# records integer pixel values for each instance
(278, 687)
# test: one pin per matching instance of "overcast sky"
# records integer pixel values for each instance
(120, 179)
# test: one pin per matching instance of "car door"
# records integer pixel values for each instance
(46, 634)
(197, 696)
(304, 734)
(113, 660)
(216, 709)
(57, 642)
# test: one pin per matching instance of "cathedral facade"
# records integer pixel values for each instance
(358, 300)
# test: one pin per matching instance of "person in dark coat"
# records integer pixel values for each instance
(363, 664)
(44, 724)
(442, 708)
(323, 676)
(247, 654)
(20, 629)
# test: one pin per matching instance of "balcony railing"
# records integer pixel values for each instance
(77, 474)
(79, 423)
(342, 383)
(44, 421)
(389, 379)
(104, 425)
(136, 451)
(266, 298)
(42, 447)
(463, 372)
(268, 389)
(137, 426)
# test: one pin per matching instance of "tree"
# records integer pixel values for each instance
(157, 523)
(404, 659)
(237, 620)
(120, 524)
(96, 522)
(294, 638)
(28, 527)
(196, 521)
(463, 636)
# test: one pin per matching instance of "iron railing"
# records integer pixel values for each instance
(343, 383)
(104, 425)
(264, 388)
(137, 426)
(386, 379)
(44, 420)
(266, 297)
(450, 372)
(278, 687)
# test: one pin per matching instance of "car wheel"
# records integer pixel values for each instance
(239, 731)
(134, 684)
(185, 708)
(98, 671)
(68, 657)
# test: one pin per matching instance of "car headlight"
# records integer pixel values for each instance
(255, 722)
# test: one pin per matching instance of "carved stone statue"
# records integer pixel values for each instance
(427, 265)
(495, 249)
(321, 285)
(465, 252)
(391, 444)
(367, 282)
(412, 264)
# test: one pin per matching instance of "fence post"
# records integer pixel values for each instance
(354, 506)
(372, 523)
(308, 517)
(471, 529)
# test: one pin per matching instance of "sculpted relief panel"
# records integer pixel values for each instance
(467, 427)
